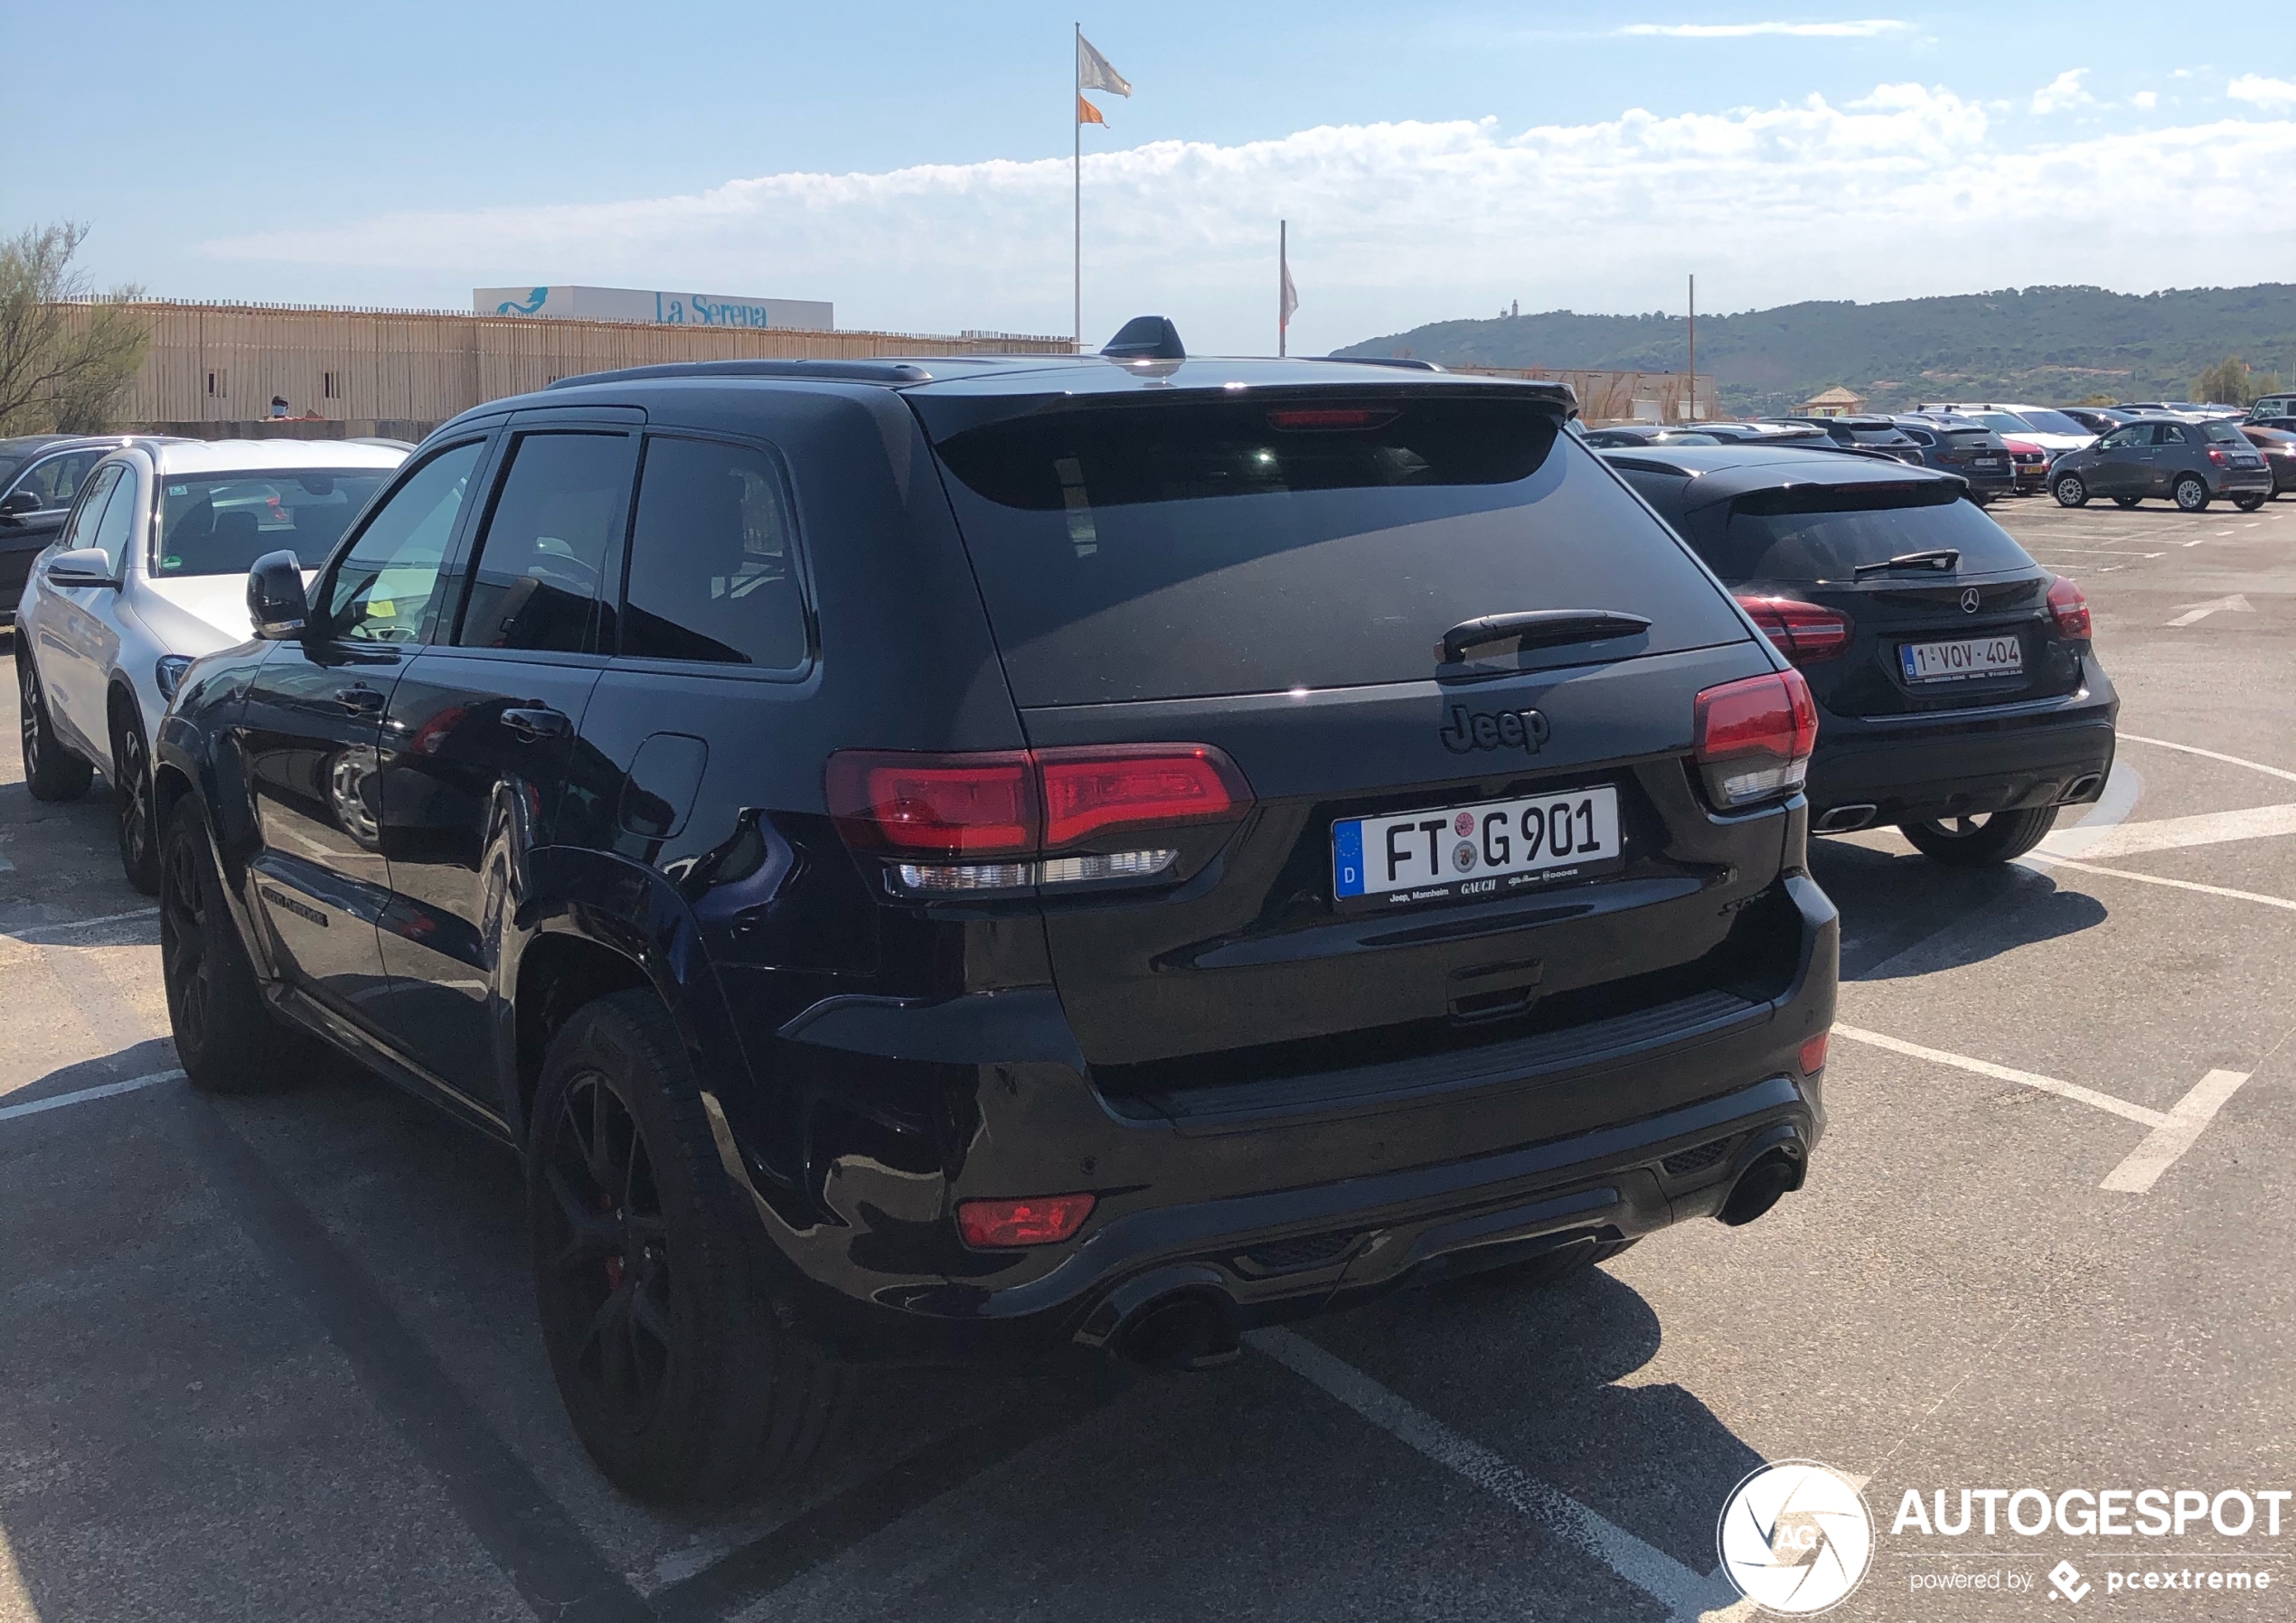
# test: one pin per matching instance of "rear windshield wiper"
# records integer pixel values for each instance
(1537, 628)
(1943, 560)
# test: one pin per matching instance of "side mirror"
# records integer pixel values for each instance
(18, 505)
(275, 602)
(81, 567)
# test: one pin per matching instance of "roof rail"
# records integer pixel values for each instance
(856, 371)
(1407, 363)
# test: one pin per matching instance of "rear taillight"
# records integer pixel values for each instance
(2069, 608)
(2216, 455)
(1755, 738)
(1039, 1220)
(938, 815)
(1813, 1053)
(1802, 632)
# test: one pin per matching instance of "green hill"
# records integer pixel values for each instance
(2044, 344)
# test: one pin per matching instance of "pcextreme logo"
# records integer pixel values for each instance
(1794, 1537)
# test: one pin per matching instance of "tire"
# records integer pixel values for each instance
(2250, 503)
(51, 772)
(1981, 841)
(131, 790)
(2070, 491)
(2190, 493)
(2126, 501)
(227, 1038)
(683, 1380)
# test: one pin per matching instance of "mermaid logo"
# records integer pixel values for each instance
(532, 305)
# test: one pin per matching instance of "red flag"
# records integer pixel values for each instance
(1086, 113)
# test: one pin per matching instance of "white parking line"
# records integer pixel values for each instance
(2173, 1137)
(29, 931)
(2122, 872)
(2192, 749)
(10, 1112)
(2171, 833)
(1683, 1592)
(2142, 1114)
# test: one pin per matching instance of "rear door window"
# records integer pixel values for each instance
(713, 573)
(1183, 548)
(544, 555)
(1816, 533)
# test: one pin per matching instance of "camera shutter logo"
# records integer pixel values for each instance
(1795, 1537)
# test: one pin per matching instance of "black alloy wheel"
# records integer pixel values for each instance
(686, 1379)
(1982, 840)
(51, 772)
(2071, 491)
(2251, 503)
(131, 788)
(609, 1256)
(227, 1039)
(2191, 493)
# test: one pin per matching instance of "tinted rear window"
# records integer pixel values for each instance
(1876, 437)
(1188, 549)
(1817, 534)
(2225, 434)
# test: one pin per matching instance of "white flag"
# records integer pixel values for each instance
(1290, 296)
(1094, 71)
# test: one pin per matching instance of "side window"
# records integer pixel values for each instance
(539, 563)
(58, 479)
(384, 587)
(2168, 434)
(2120, 439)
(117, 526)
(712, 569)
(81, 531)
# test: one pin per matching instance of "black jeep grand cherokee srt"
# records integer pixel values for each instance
(960, 860)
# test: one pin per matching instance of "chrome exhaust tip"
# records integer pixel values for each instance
(1843, 820)
(2082, 788)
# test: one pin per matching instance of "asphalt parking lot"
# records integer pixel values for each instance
(275, 1358)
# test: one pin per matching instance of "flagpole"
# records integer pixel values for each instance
(1075, 119)
(1282, 263)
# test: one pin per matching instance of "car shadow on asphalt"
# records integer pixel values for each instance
(1903, 914)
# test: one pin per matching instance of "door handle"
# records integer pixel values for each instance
(359, 700)
(534, 722)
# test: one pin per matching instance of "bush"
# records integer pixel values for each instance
(65, 356)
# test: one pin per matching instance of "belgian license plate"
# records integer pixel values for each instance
(1495, 848)
(1965, 660)
(1986, 462)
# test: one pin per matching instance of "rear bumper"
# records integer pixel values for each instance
(1969, 764)
(1285, 1214)
(2241, 482)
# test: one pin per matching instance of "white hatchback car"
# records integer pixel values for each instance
(149, 572)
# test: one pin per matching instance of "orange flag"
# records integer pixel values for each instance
(1086, 113)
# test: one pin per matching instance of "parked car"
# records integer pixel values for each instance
(148, 572)
(2278, 448)
(2028, 464)
(2190, 412)
(40, 474)
(1761, 434)
(2054, 432)
(1646, 434)
(2191, 464)
(1166, 905)
(2097, 419)
(1879, 435)
(1971, 451)
(1958, 695)
(2273, 412)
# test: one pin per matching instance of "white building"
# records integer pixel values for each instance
(647, 304)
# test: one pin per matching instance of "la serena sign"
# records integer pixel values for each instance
(655, 306)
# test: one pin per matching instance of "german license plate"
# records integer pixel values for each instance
(1963, 660)
(1491, 848)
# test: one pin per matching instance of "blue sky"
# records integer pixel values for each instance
(909, 161)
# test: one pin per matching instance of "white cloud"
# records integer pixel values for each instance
(1910, 190)
(1865, 29)
(2064, 93)
(2144, 101)
(2262, 91)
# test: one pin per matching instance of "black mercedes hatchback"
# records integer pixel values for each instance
(1959, 695)
(984, 861)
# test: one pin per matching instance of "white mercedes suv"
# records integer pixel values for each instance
(149, 572)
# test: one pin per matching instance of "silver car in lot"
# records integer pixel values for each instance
(148, 572)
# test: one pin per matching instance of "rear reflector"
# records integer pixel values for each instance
(1813, 1053)
(1041, 1220)
(1802, 632)
(1015, 805)
(2069, 608)
(1754, 738)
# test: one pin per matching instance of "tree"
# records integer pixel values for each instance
(2231, 383)
(66, 356)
